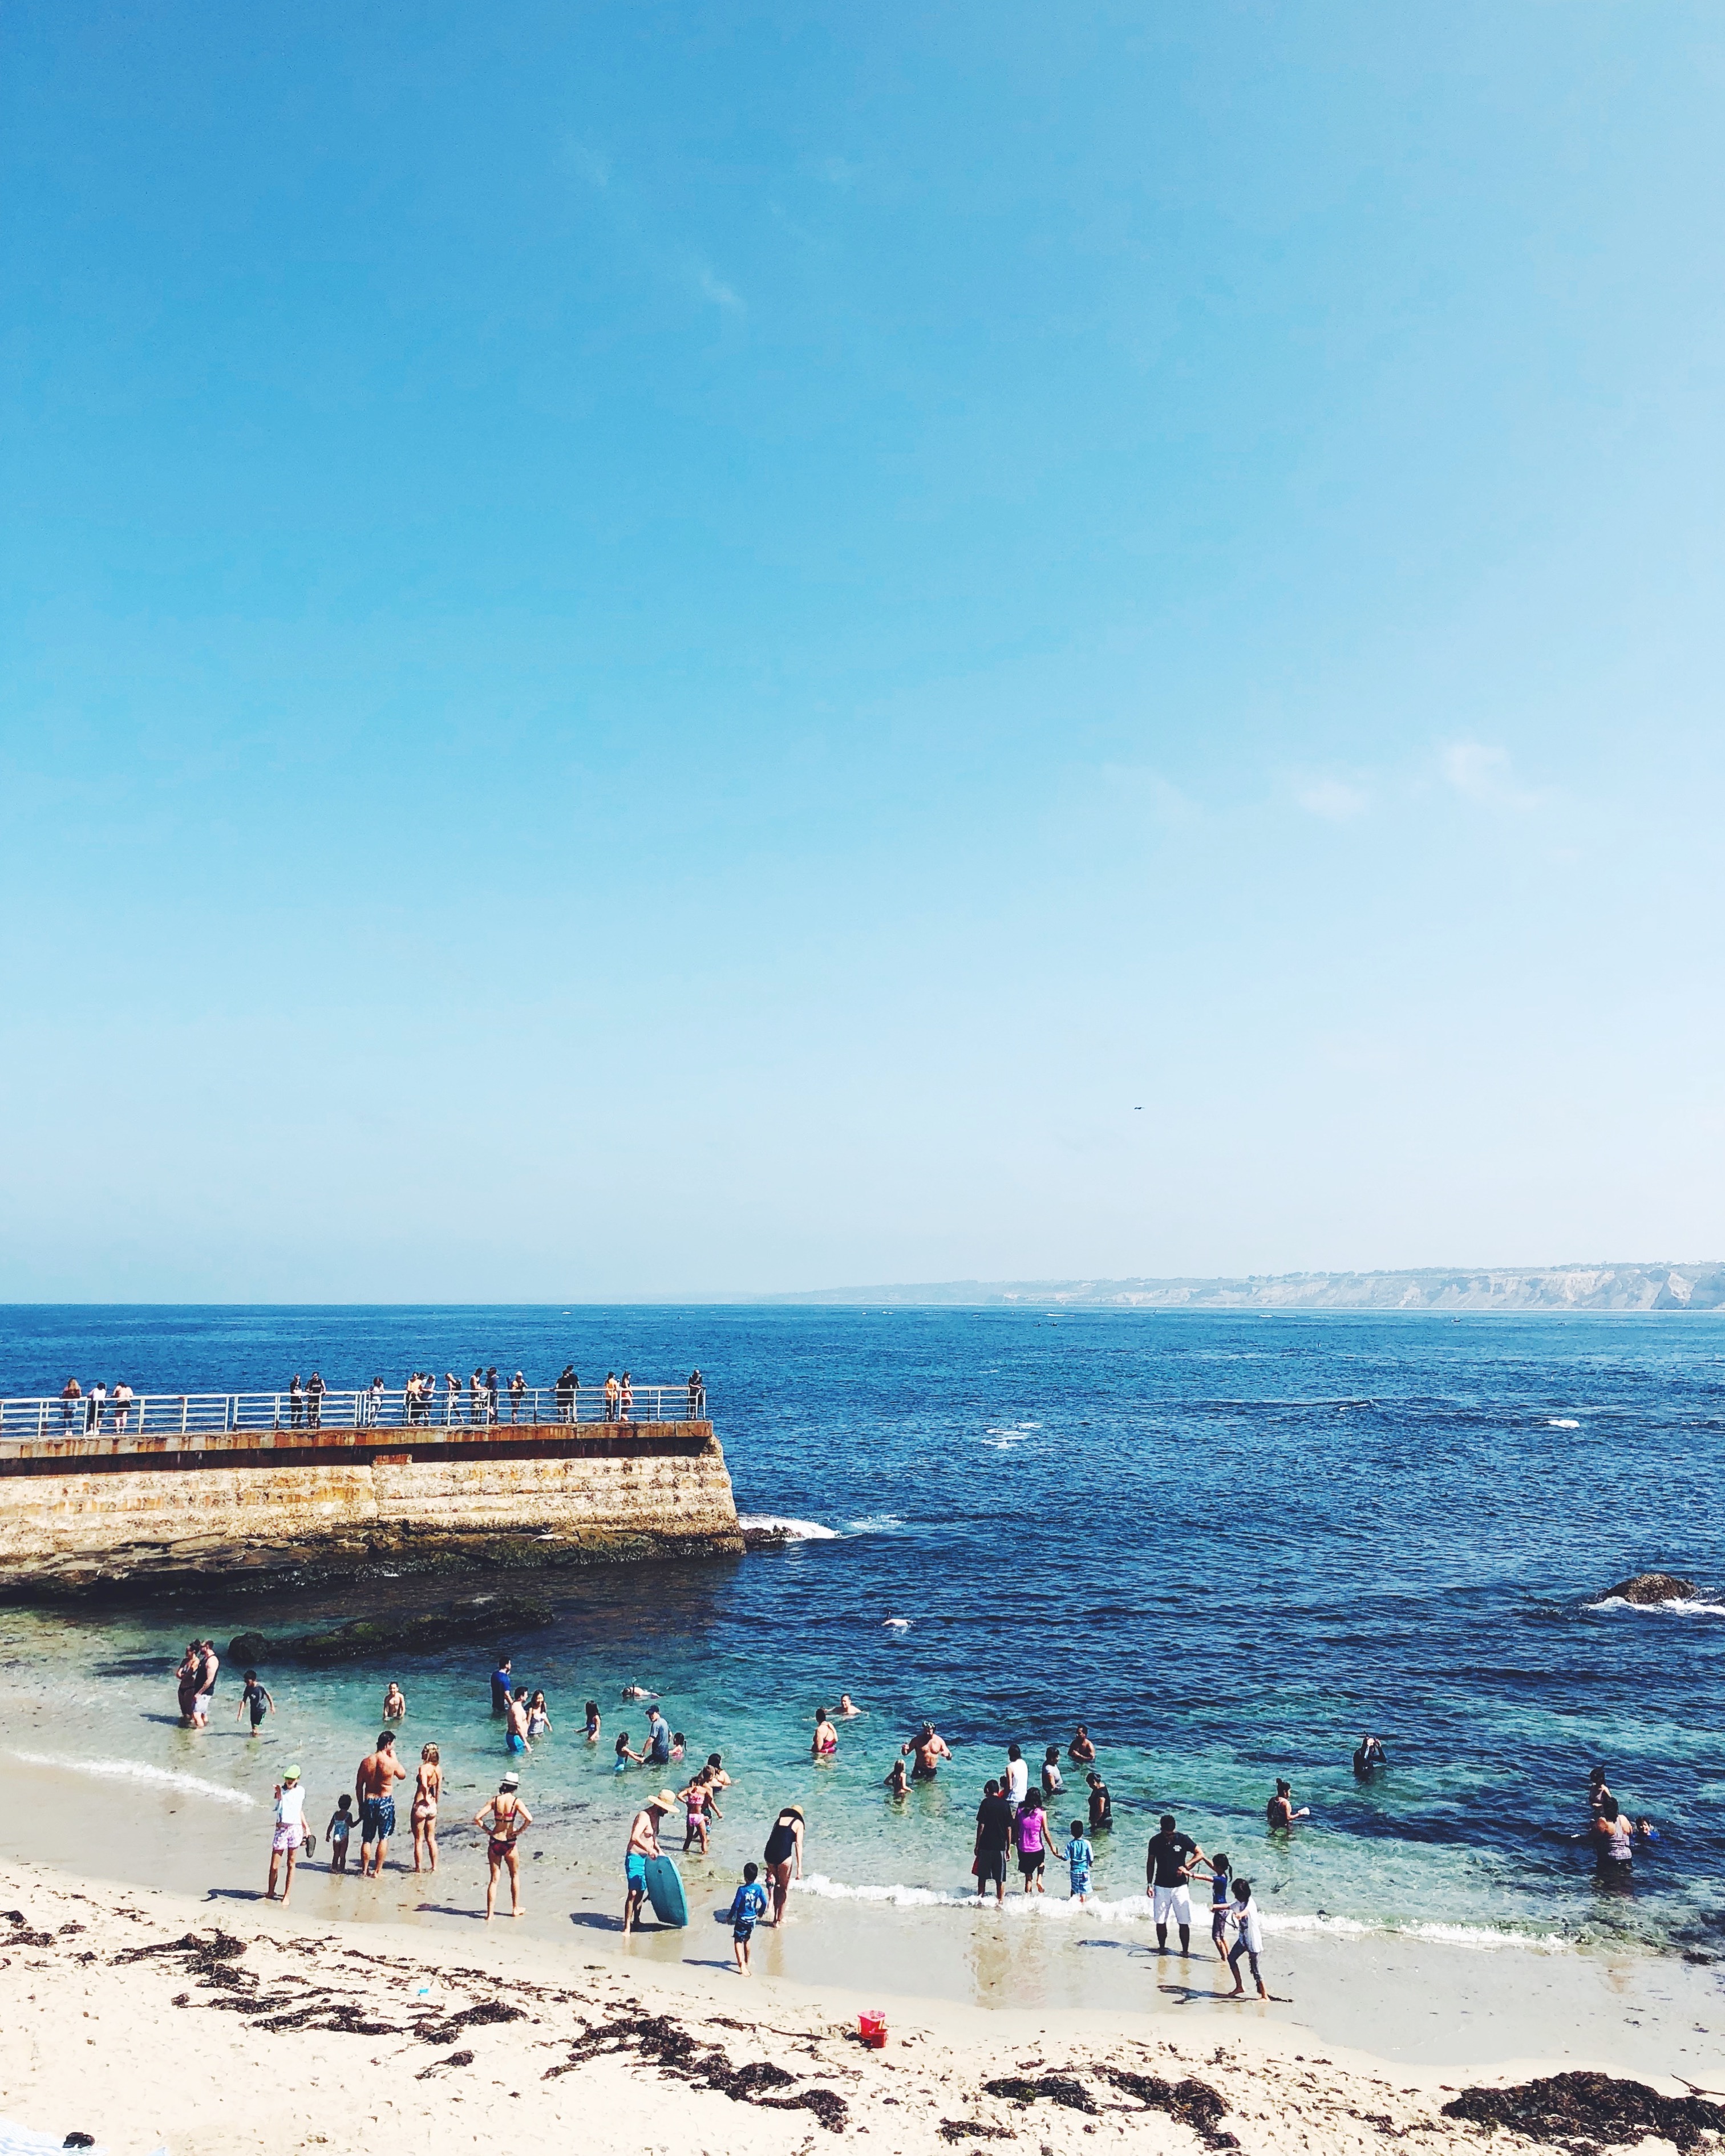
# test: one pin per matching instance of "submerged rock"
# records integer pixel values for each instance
(1648, 1587)
(475, 1617)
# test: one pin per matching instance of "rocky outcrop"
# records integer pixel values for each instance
(489, 1617)
(1650, 1587)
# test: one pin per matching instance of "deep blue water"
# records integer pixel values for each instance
(1227, 1543)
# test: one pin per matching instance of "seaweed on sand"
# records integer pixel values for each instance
(1589, 2109)
(666, 2043)
(1058, 2088)
(1193, 2103)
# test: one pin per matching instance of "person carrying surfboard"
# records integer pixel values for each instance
(643, 1848)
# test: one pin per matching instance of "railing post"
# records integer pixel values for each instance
(183, 1414)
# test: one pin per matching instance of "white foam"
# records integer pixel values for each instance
(896, 1624)
(794, 1530)
(1056, 1907)
(1679, 1608)
(1560, 1422)
(138, 1770)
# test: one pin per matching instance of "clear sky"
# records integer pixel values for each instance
(674, 650)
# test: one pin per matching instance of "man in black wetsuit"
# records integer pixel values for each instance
(1167, 1868)
(994, 1839)
(1368, 1754)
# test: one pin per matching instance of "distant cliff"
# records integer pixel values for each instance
(1436, 1287)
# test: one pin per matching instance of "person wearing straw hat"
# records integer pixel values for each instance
(643, 1844)
(503, 1817)
(289, 1829)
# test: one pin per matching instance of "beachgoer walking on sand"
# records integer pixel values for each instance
(1031, 1835)
(71, 1392)
(1279, 1810)
(929, 1750)
(784, 1854)
(518, 1393)
(826, 1737)
(1101, 1805)
(395, 1702)
(297, 1402)
(289, 1830)
(504, 1818)
(994, 1839)
(341, 1826)
(1220, 1869)
(428, 1795)
(1081, 1751)
(747, 1906)
(593, 1722)
(642, 1846)
(253, 1696)
(1018, 1777)
(374, 1786)
(1167, 1868)
(698, 1808)
(1081, 1860)
(1249, 1940)
(315, 1390)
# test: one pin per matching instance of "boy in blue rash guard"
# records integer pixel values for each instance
(1080, 1857)
(747, 1907)
(1219, 1870)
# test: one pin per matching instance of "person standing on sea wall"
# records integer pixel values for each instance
(517, 1389)
(71, 1393)
(697, 1395)
(296, 1401)
(315, 1390)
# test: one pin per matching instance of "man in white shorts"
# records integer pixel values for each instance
(1167, 1870)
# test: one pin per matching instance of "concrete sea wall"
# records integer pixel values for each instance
(88, 1511)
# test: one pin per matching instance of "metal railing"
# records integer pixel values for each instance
(373, 1407)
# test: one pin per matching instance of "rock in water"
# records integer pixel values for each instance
(1653, 1587)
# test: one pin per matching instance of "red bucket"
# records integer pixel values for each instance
(872, 2028)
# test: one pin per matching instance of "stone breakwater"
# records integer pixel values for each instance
(93, 1511)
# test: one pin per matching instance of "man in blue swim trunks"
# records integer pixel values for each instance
(643, 1844)
(374, 1786)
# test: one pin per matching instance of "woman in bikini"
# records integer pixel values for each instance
(427, 1792)
(826, 1737)
(504, 1819)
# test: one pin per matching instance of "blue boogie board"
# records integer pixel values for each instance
(665, 1891)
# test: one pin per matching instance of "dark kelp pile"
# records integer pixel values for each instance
(1193, 2103)
(663, 2043)
(1590, 2110)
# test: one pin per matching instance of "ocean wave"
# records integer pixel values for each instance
(794, 1530)
(138, 1770)
(875, 1523)
(1560, 1422)
(1056, 1908)
(1680, 1609)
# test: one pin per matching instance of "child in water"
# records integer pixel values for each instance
(254, 1697)
(340, 1827)
(747, 1907)
(1219, 1870)
(898, 1781)
(1080, 1857)
(624, 1754)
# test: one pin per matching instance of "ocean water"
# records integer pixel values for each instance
(1226, 1542)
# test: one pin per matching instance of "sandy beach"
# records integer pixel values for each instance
(317, 2034)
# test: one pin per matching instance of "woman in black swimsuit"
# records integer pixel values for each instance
(782, 1855)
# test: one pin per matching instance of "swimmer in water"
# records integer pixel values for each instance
(826, 1737)
(593, 1722)
(625, 1755)
(638, 1692)
(898, 1783)
(395, 1703)
(1645, 1831)
(1101, 1805)
(846, 1709)
(930, 1749)
(1598, 1796)
(1367, 1753)
(1279, 1810)
(1081, 1751)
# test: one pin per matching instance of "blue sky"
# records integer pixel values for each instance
(660, 650)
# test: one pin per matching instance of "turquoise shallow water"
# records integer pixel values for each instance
(1228, 1543)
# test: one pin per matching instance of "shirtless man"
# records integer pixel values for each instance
(1080, 1750)
(643, 1844)
(374, 1787)
(930, 1750)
